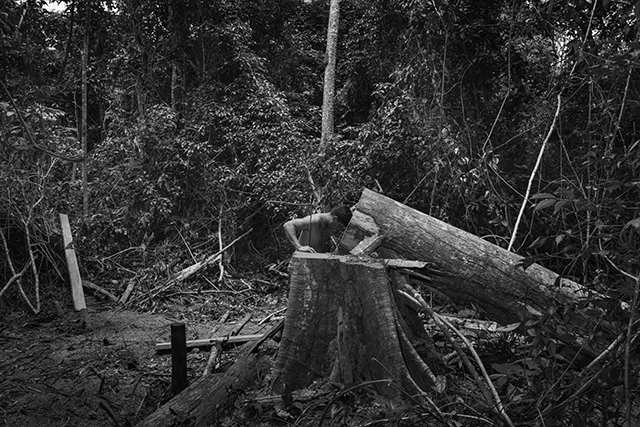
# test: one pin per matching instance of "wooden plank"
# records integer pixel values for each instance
(209, 342)
(72, 264)
(368, 245)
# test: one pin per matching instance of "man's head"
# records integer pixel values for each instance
(342, 214)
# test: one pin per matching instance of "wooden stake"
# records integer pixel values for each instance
(74, 272)
(179, 379)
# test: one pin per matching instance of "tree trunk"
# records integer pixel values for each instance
(328, 99)
(205, 401)
(477, 272)
(85, 66)
(343, 322)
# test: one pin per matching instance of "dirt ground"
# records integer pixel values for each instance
(99, 367)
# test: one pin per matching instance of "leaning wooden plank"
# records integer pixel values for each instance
(368, 245)
(191, 344)
(204, 402)
(72, 262)
(478, 271)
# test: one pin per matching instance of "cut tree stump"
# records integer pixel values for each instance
(343, 323)
(476, 271)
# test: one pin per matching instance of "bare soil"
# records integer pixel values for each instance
(99, 367)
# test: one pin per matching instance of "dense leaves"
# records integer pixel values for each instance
(207, 113)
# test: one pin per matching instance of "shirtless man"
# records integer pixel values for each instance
(316, 230)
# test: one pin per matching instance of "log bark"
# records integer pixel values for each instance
(342, 322)
(205, 401)
(472, 270)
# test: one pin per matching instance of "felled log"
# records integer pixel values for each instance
(206, 400)
(343, 323)
(474, 271)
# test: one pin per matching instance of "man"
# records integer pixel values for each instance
(315, 230)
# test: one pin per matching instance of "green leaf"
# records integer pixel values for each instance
(560, 204)
(542, 196)
(545, 204)
(537, 243)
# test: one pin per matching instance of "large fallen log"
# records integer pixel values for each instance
(477, 272)
(206, 401)
(343, 323)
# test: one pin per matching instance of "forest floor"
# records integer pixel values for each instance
(99, 367)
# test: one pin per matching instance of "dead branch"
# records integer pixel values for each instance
(275, 313)
(191, 270)
(93, 286)
(493, 400)
(241, 324)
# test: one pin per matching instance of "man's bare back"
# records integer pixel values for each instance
(315, 230)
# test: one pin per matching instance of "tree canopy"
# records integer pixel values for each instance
(206, 116)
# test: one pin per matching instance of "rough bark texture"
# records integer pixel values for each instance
(477, 271)
(342, 322)
(205, 401)
(330, 75)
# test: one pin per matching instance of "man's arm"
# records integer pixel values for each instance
(294, 226)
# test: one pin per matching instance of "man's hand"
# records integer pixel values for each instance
(306, 249)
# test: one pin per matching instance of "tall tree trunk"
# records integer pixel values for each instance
(67, 49)
(137, 26)
(328, 100)
(175, 87)
(85, 65)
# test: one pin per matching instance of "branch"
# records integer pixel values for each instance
(30, 136)
(443, 324)
(533, 174)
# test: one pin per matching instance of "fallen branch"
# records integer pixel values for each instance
(127, 292)
(275, 313)
(241, 324)
(214, 355)
(164, 347)
(443, 324)
(212, 362)
(205, 401)
(93, 286)
(191, 270)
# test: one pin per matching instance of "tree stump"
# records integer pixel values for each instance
(343, 323)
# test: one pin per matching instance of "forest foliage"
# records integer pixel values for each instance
(204, 122)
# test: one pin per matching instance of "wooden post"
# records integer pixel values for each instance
(72, 264)
(179, 379)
